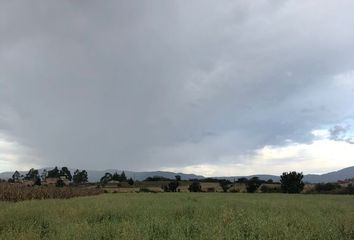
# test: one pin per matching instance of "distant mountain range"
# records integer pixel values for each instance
(95, 175)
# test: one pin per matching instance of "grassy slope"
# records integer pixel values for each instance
(181, 216)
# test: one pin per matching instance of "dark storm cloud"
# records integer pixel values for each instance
(141, 85)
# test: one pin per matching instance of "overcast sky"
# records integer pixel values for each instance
(207, 87)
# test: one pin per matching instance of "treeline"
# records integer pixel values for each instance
(59, 177)
(115, 178)
(290, 182)
(332, 188)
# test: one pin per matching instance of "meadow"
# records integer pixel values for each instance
(181, 216)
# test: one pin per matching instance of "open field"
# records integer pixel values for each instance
(181, 216)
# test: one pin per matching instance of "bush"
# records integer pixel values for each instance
(234, 190)
(327, 187)
(146, 190)
(270, 189)
(347, 190)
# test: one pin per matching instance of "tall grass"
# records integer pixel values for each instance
(181, 216)
(19, 192)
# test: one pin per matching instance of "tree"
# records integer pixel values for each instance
(270, 181)
(173, 186)
(242, 180)
(224, 184)
(291, 182)
(54, 173)
(84, 176)
(116, 177)
(32, 174)
(195, 187)
(123, 178)
(156, 179)
(106, 178)
(66, 173)
(16, 176)
(80, 176)
(178, 178)
(44, 175)
(130, 181)
(76, 177)
(253, 184)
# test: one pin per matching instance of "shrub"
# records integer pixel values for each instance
(270, 189)
(234, 190)
(327, 187)
(347, 190)
(146, 190)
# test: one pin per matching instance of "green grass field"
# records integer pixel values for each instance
(181, 216)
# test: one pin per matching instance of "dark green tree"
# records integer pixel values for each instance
(16, 176)
(253, 184)
(116, 177)
(54, 173)
(123, 178)
(195, 187)
(178, 178)
(291, 182)
(242, 180)
(66, 173)
(270, 181)
(44, 174)
(80, 177)
(84, 176)
(130, 181)
(173, 185)
(106, 178)
(224, 184)
(32, 174)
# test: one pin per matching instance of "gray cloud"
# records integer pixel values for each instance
(341, 133)
(142, 85)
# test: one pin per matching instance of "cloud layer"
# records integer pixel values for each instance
(171, 84)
